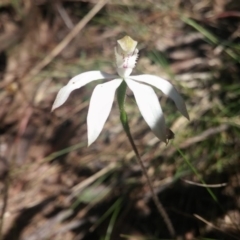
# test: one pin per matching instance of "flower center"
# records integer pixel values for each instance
(125, 59)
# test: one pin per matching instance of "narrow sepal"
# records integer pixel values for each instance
(100, 107)
(167, 88)
(149, 107)
(78, 82)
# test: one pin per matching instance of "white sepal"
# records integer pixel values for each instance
(78, 82)
(149, 107)
(100, 107)
(166, 87)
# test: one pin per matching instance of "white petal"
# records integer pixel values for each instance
(100, 107)
(77, 82)
(149, 107)
(166, 87)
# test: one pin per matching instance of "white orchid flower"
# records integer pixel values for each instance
(103, 94)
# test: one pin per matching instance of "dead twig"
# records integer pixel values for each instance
(205, 185)
(199, 138)
(213, 226)
(76, 189)
(58, 49)
(64, 15)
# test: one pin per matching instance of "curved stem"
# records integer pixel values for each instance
(121, 93)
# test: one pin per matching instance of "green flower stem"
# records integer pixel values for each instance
(121, 93)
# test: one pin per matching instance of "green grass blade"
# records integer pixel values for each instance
(212, 38)
(117, 207)
(198, 175)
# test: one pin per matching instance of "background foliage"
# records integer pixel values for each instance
(54, 187)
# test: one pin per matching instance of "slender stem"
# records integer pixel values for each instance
(156, 200)
(121, 93)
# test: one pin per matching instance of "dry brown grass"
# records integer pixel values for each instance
(61, 192)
